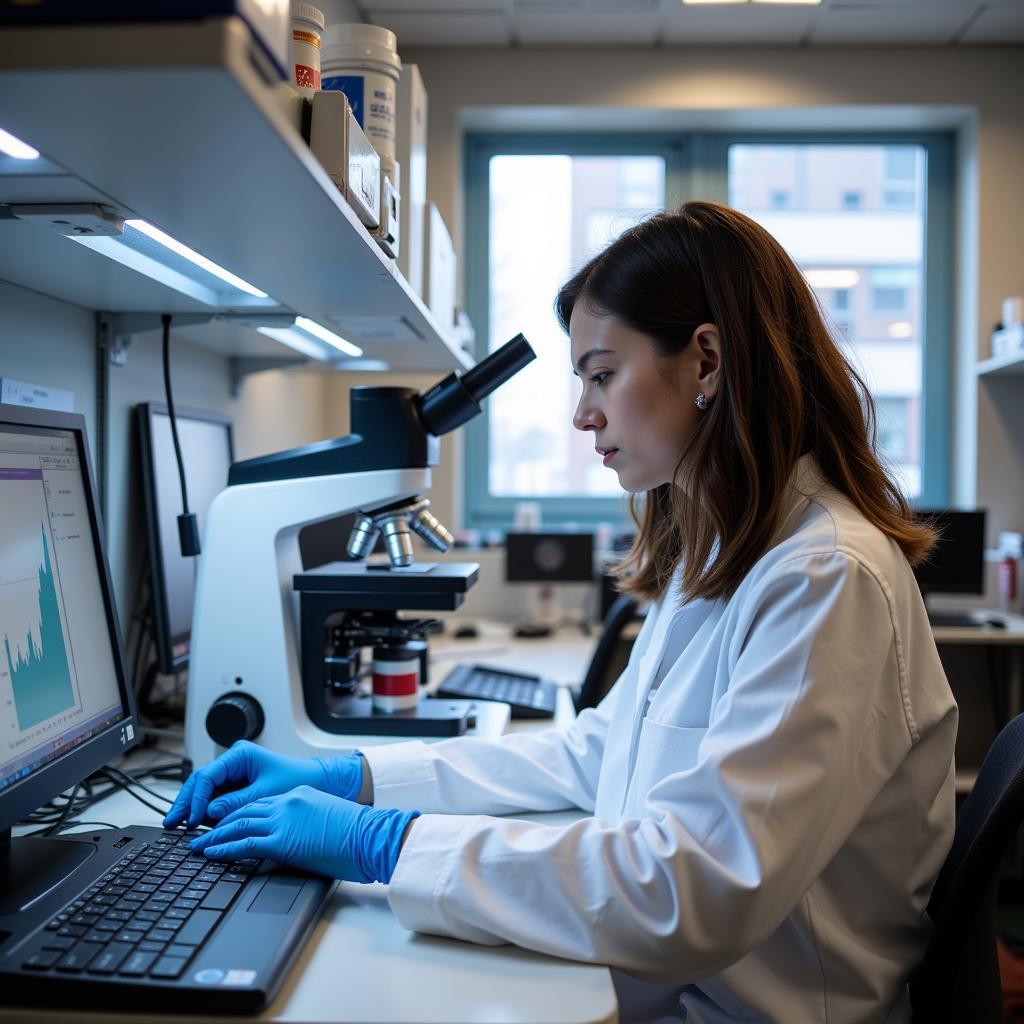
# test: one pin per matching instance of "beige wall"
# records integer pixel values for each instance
(974, 90)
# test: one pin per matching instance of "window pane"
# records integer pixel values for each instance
(865, 262)
(548, 215)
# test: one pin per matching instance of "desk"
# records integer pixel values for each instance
(360, 965)
(1010, 638)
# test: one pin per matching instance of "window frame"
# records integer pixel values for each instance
(696, 166)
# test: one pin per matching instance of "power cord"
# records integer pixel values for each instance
(188, 526)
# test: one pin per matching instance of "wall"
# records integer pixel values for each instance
(976, 90)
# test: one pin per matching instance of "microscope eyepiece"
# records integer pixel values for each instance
(454, 400)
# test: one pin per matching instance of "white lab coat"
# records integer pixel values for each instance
(765, 829)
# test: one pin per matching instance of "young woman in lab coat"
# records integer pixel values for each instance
(769, 784)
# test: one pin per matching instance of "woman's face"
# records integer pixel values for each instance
(639, 406)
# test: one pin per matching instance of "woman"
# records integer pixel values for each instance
(770, 781)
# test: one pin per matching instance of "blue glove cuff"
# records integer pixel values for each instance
(382, 831)
(343, 775)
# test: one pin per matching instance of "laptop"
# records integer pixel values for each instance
(123, 918)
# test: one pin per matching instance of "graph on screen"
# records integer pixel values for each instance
(39, 671)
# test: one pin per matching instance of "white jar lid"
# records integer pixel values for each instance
(372, 38)
(307, 12)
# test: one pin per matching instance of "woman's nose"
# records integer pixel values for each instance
(587, 417)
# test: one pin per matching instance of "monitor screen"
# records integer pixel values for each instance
(64, 707)
(549, 557)
(206, 453)
(956, 564)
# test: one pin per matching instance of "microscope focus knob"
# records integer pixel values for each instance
(234, 717)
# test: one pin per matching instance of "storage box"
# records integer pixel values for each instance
(389, 232)
(439, 270)
(411, 152)
(350, 160)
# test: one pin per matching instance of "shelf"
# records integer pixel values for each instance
(1011, 365)
(176, 124)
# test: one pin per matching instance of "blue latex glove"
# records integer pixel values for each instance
(312, 831)
(263, 773)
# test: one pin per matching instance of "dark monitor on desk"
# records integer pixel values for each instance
(549, 557)
(206, 452)
(956, 564)
(65, 708)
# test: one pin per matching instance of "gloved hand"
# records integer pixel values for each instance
(266, 774)
(312, 831)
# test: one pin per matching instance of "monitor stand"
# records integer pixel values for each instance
(31, 866)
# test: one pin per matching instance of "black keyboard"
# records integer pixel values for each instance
(951, 619)
(162, 916)
(529, 696)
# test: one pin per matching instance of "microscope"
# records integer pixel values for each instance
(276, 652)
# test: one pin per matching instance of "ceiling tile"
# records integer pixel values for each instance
(426, 7)
(888, 25)
(444, 29)
(996, 25)
(592, 27)
(746, 25)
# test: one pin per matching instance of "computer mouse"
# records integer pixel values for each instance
(467, 632)
(993, 621)
(530, 631)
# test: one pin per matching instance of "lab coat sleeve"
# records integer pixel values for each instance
(815, 719)
(549, 770)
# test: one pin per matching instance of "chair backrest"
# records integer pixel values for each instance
(959, 977)
(596, 682)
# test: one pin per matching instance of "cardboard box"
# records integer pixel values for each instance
(440, 270)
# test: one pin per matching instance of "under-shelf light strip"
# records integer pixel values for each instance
(300, 338)
(194, 257)
(15, 148)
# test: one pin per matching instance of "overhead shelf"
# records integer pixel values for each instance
(1011, 365)
(177, 124)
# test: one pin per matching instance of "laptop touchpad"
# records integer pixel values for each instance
(278, 895)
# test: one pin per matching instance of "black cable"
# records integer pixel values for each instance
(125, 779)
(142, 800)
(165, 319)
(188, 526)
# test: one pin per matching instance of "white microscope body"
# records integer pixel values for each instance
(245, 648)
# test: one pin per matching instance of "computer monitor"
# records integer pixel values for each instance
(206, 452)
(549, 557)
(65, 708)
(956, 564)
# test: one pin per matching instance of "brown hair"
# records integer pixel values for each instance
(786, 390)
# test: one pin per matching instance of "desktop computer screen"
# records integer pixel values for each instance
(65, 709)
(206, 452)
(956, 564)
(549, 557)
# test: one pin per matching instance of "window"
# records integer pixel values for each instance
(888, 299)
(539, 205)
(875, 245)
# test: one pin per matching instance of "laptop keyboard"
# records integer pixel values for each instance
(145, 917)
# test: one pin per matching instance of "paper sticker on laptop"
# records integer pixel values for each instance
(239, 977)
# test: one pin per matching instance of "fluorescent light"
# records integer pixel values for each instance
(829, 278)
(194, 257)
(301, 338)
(293, 339)
(312, 327)
(901, 329)
(16, 148)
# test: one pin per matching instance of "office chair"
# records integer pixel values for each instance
(596, 682)
(958, 979)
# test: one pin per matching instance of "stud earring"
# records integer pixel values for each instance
(701, 401)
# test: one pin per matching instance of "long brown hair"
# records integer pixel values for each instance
(786, 390)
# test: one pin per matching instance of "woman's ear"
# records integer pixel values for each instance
(707, 343)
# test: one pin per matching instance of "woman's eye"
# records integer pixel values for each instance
(598, 378)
